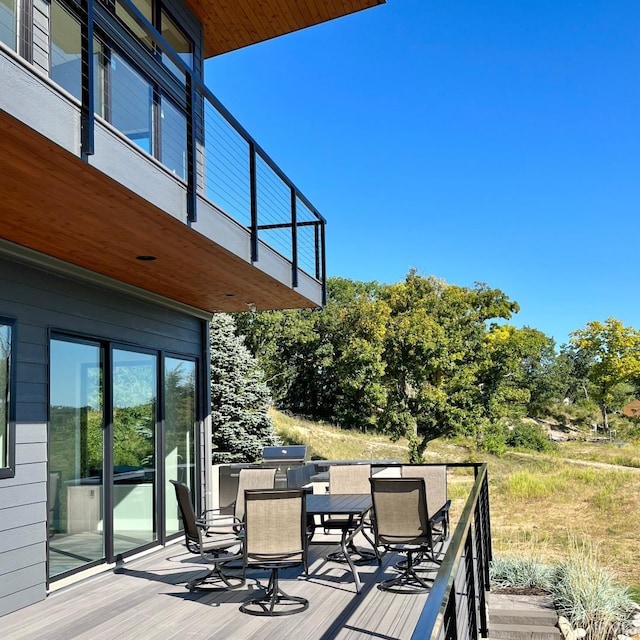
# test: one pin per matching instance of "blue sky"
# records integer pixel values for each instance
(476, 140)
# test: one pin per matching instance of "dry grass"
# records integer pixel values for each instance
(627, 455)
(538, 502)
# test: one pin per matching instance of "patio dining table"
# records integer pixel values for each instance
(353, 505)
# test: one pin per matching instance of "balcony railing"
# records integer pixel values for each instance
(224, 164)
(456, 608)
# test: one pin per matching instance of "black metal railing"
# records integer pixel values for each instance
(456, 608)
(223, 163)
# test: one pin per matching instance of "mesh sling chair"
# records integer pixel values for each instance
(344, 479)
(275, 538)
(300, 478)
(251, 479)
(402, 524)
(435, 481)
(212, 541)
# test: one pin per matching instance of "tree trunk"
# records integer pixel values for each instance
(605, 419)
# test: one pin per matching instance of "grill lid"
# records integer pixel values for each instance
(293, 452)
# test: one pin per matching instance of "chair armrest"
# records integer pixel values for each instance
(220, 525)
(441, 517)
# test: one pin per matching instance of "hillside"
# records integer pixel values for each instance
(539, 502)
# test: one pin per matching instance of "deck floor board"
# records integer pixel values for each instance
(148, 600)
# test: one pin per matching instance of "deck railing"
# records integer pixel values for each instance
(456, 608)
(223, 163)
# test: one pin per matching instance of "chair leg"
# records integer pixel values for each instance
(274, 596)
(214, 576)
(408, 581)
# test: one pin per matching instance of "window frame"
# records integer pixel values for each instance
(9, 471)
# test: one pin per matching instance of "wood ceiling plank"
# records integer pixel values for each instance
(232, 25)
(80, 215)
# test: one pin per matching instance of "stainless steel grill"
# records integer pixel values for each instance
(283, 458)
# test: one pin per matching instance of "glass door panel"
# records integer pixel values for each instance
(75, 496)
(134, 445)
(179, 433)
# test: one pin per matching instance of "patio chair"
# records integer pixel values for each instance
(247, 479)
(275, 538)
(402, 525)
(345, 479)
(435, 481)
(212, 542)
(300, 478)
(252, 479)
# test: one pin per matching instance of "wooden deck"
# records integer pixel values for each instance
(149, 600)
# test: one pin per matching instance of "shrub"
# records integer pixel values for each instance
(588, 596)
(521, 572)
(528, 435)
(583, 590)
(492, 439)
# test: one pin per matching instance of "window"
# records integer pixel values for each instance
(179, 43)
(8, 19)
(173, 138)
(66, 51)
(131, 103)
(146, 9)
(7, 421)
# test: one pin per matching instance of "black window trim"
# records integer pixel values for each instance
(9, 471)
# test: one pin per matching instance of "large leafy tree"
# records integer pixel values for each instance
(520, 374)
(240, 399)
(435, 355)
(612, 351)
(327, 364)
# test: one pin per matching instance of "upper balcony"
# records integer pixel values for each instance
(121, 161)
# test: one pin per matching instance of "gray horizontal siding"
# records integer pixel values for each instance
(42, 302)
(10, 562)
(22, 598)
(30, 534)
(13, 518)
(41, 12)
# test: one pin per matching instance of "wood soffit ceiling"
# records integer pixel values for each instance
(232, 24)
(53, 202)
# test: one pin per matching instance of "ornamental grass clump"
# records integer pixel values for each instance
(520, 572)
(586, 593)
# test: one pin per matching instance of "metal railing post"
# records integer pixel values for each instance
(294, 239)
(323, 275)
(253, 194)
(192, 163)
(87, 118)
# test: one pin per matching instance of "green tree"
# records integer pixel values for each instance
(435, 355)
(240, 399)
(327, 364)
(521, 376)
(613, 352)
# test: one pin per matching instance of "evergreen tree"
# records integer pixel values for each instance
(240, 400)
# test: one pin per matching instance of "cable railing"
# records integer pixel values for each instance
(456, 608)
(202, 144)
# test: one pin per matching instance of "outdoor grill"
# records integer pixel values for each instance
(283, 458)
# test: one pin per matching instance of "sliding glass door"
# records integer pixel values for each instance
(179, 433)
(76, 445)
(110, 465)
(134, 449)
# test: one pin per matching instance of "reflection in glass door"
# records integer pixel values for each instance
(179, 433)
(134, 445)
(75, 501)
